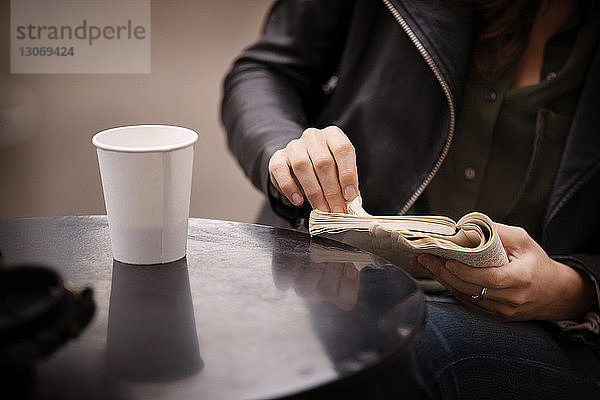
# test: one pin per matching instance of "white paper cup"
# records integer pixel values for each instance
(146, 175)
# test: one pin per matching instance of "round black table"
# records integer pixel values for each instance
(251, 312)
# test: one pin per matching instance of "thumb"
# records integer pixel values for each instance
(512, 236)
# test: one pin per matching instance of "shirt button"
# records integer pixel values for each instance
(550, 75)
(470, 173)
(491, 96)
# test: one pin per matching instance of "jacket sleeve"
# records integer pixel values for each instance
(573, 235)
(589, 264)
(586, 330)
(585, 259)
(272, 86)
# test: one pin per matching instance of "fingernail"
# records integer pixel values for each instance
(338, 209)
(323, 208)
(422, 259)
(349, 192)
(351, 272)
(297, 199)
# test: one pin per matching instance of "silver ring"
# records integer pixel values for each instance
(479, 295)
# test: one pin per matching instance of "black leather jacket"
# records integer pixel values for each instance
(399, 68)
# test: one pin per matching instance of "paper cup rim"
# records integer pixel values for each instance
(143, 149)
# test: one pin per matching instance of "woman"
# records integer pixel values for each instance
(444, 109)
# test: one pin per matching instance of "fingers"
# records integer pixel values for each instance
(490, 277)
(307, 281)
(325, 168)
(436, 267)
(345, 158)
(514, 239)
(337, 283)
(527, 287)
(505, 301)
(497, 310)
(329, 284)
(349, 288)
(441, 271)
(302, 168)
(320, 165)
(281, 177)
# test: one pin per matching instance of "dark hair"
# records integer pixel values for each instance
(502, 30)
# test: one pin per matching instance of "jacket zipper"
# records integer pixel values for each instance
(434, 68)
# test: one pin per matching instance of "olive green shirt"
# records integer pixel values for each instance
(508, 141)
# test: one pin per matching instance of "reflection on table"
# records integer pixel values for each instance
(155, 296)
(252, 312)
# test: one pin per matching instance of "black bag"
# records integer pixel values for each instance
(38, 313)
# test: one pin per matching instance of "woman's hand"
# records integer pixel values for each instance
(334, 282)
(532, 286)
(320, 165)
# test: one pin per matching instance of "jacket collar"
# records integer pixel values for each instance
(445, 33)
(581, 156)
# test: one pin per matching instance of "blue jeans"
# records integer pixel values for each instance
(468, 355)
(465, 354)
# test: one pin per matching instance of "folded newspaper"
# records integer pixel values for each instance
(472, 240)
